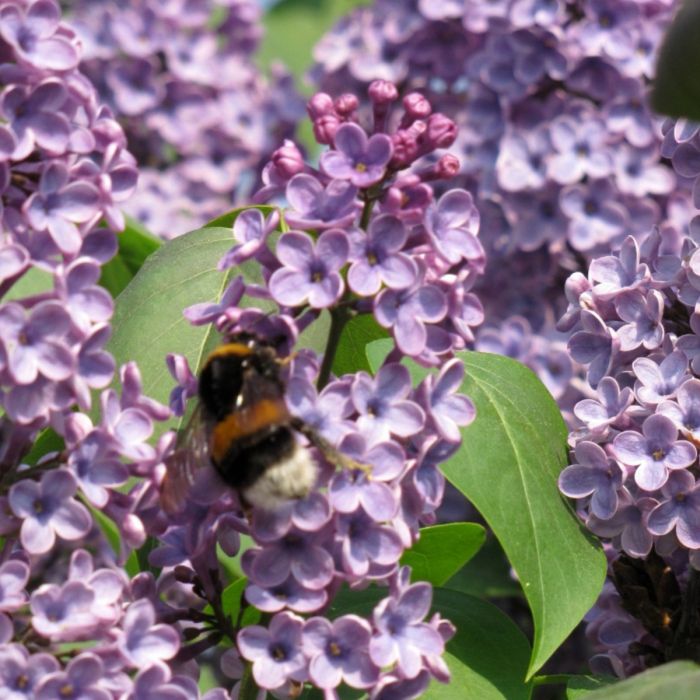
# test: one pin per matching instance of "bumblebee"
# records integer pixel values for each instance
(243, 428)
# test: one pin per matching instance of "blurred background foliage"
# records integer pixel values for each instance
(292, 28)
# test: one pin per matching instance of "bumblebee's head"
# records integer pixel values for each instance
(260, 330)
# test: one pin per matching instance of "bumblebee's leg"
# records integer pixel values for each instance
(328, 451)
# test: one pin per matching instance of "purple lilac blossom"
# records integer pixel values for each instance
(357, 158)
(201, 117)
(377, 257)
(66, 157)
(678, 510)
(309, 271)
(338, 652)
(13, 579)
(655, 452)
(609, 50)
(319, 207)
(552, 106)
(49, 510)
(401, 635)
(275, 652)
(685, 410)
(383, 406)
(645, 293)
(594, 475)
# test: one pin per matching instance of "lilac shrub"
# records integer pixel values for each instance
(199, 116)
(557, 142)
(363, 248)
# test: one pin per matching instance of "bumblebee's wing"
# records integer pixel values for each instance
(191, 454)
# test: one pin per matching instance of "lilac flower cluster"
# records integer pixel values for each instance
(72, 623)
(556, 139)
(65, 169)
(199, 116)
(367, 238)
(633, 324)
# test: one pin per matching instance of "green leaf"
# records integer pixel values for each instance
(679, 680)
(376, 353)
(487, 657)
(676, 87)
(227, 220)
(442, 550)
(508, 465)
(144, 552)
(232, 565)
(47, 441)
(135, 245)
(132, 566)
(582, 686)
(251, 616)
(345, 692)
(33, 281)
(487, 575)
(357, 334)
(231, 598)
(109, 529)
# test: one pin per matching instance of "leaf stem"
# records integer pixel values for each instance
(366, 211)
(340, 315)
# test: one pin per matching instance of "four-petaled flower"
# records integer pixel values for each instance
(401, 636)
(49, 509)
(357, 158)
(377, 258)
(339, 652)
(310, 270)
(275, 652)
(654, 452)
(594, 475)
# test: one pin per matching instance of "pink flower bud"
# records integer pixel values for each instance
(288, 160)
(441, 132)
(320, 104)
(448, 166)
(382, 92)
(325, 128)
(405, 149)
(346, 104)
(417, 107)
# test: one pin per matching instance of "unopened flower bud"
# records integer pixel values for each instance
(448, 166)
(417, 107)
(288, 160)
(325, 128)
(382, 92)
(405, 149)
(320, 104)
(445, 169)
(441, 132)
(346, 104)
